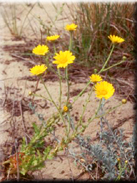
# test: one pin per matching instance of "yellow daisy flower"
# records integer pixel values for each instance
(62, 59)
(38, 69)
(95, 78)
(71, 27)
(65, 108)
(40, 50)
(116, 39)
(104, 89)
(52, 38)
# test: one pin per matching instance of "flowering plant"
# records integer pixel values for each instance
(34, 153)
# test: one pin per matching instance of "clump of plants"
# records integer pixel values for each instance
(96, 21)
(31, 155)
(110, 158)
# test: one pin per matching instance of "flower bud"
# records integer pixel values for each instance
(124, 58)
(126, 162)
(65, 108)
(118, 159)
(30, 93)
(124, 101)
(95, 71)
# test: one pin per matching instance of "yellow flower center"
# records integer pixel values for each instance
(64, 59)
(103, 92)
(41, 51)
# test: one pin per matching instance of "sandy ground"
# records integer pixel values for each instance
(12, 69)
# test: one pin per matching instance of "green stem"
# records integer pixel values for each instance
(70, 41)
(110, 110)
(60, 88)
(47, 61)
(67, 80)
(66, 70)
(59, 111)
(80, 94)
(68, 120)
(114, 65)
(100, 102)
(54, 48)
(85, 106)
(111, 51)
(95, 115)
(69, 117)
(89, 121)
(36, 88)
(49, 94)
(121, 171)
(40, 96)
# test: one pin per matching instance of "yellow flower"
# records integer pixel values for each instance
(71, 27)
(65, 108)
(95, 78)
(116, 39)
(52, 38)
(104, 89)
(62, 59)
(38, 69)
(40, 50)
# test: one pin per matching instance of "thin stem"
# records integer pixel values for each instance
(111, 51)
(95, 115)
(80, 94)
(60, 88)
(98, 107)
(68, 120)
(70, 41)
(54, 48)
(47, 61)
(121, 171)
(101, 110)
(85, 106)
(67, 80)
(89, 121)
(59, 111)
(69, 117)
(49, 95)
(66, 70)
(36, 87)
(114, 65)
(110, 110)
(40, 96)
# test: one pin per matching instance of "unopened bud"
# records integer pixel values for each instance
(124, 101)
(124, 58)
(95, 71)
(30, 93)
(118, 159)
(65, 108)
(126, 162)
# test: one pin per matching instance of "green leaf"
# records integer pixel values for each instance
(50, 157)
(23, 171)
(46, 151)
(36, 129)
